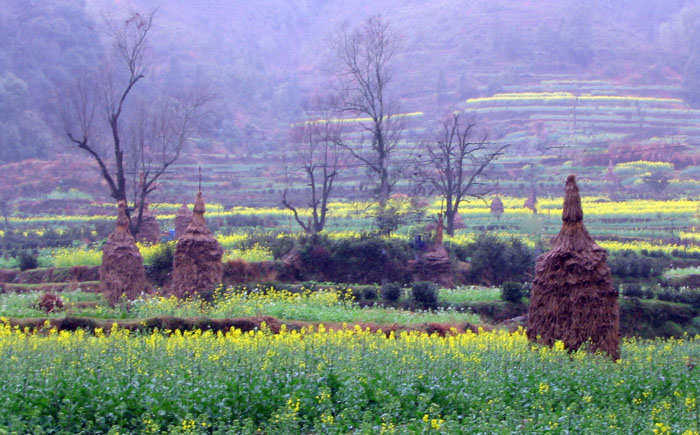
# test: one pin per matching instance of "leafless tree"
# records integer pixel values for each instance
(316, 150)
(362, 66)
(128, 138)
(455, 167)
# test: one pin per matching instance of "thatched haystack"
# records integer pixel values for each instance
(531, 202)
(197, 265)
(183, 218)
(497, 207)
(434, 263)
(572, 298)
(121, 272)
(150, 230)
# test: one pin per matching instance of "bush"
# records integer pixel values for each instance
(425, 293)
(161, 264)
(369, 293)
(629, 264)
(667, 295)
(28, 261)
(512, 292)
(391, 291)
(368, 260)
(633, 291)
(494, 261)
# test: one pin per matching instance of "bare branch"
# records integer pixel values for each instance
(456, 167)
(362, 68)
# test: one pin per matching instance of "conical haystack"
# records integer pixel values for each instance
(198, 255)
(183, 218)
(150, 230)
(531, 202)
(572, 298)
(434, 263)
(122, 270)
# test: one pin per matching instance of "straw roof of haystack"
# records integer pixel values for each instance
(183, 218)
(197, 265)
(434, 263)
(122, 272)
(572, 298)
(149, 230)
(531, 202)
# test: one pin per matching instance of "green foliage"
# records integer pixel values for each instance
(495, 261)
(370, 293)
(8, 263)
(66, 257)
(27, 261)
(76, 383)
(633, 290)
(512, 292)
(161, 263)
(425, 293)
(628, 264)
(391, 291)
(367, 259)
(465, 295)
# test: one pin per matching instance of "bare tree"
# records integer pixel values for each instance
(142, 142)
(362, 63)
(316, 150)
(455, 167)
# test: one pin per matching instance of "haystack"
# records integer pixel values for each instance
(121, 272)
(150, 230)
(183, 218)
(198, 255)
(531, 202)
(572, 298)
(497, 207)
(434, 263)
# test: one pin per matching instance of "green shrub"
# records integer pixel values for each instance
(391, 291)
(161, 264)
(363, 260)
(512, 292)
(494, 261)
(627, 264)
(633, 291)
(370, 293)
(27, 261)
(425, 293)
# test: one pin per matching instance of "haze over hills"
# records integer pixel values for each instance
(267, 59)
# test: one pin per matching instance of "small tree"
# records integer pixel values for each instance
(455, 167)
(317, 150)
(362, 66)
(128, 144)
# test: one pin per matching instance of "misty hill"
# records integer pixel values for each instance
(528, 70)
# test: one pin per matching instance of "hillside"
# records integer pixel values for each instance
(566, 81)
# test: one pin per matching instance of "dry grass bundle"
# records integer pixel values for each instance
(572, 298)
(197, 265)
(122, 272)
(183, 218)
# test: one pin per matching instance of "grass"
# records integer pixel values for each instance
(321, 306)
(682, 273)
(23, 305)
(462, 295)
